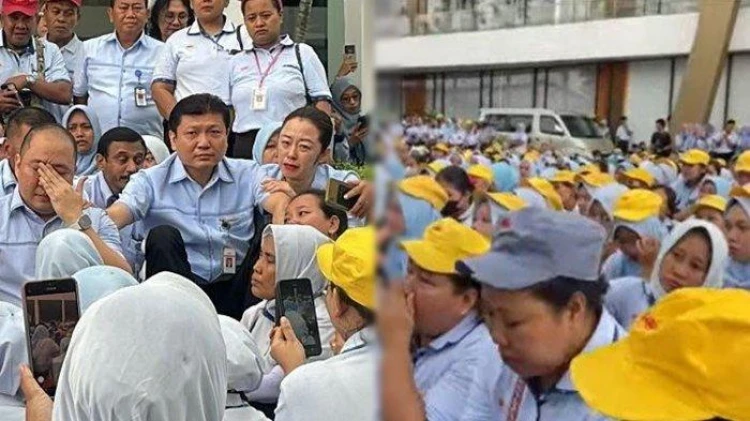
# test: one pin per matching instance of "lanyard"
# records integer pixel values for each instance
(270, 65)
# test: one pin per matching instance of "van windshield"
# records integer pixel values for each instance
(509, 122)
(582, 127)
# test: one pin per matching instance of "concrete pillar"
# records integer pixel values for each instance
(707, 60)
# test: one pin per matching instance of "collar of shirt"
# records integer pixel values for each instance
(197, 29)
(73, 45)
(453, 336)
(29, 49)
(6, 175)
(285, 40)
(113, 38)
(103, 186)
(17, 203)
(362, 338)
(178, 172)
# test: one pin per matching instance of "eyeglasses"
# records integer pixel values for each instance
(171, 17)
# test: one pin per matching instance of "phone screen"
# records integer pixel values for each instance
(350, 50)
(51, 312)
(295, 301)
(335, 195)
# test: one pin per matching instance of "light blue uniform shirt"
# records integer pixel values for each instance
(562, 403)
(98, 193)
(618, 265)
(21, 230)
(627, 298)
(72, 54)
(109, 75)
(195, 62)
(209, 218)
(686, 196)
(7, 178)
(458, 361)
(284, 86)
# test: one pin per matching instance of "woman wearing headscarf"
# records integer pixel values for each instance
(149, 365)
(65, 252)
(693, 255)
(715, 185)
(264, 149)
(97, 282)
(506, 176)
(82, 122)
(351, 134)
(636, 225)
(737, 219)
(602, 205)
(12, 354)
(157, 151)
(287, 252)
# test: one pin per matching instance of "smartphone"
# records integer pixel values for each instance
(350, 52)
(12, 88)
(363, 121)
(335, 192)
(295, 301)
(51, 312)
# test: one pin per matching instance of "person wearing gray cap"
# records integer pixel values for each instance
(542, 298)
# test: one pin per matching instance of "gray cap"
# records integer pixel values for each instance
(535, 245)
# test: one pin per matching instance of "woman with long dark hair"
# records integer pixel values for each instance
(168, 17)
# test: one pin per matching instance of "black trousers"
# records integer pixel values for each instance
(241, 144)
(230, 294)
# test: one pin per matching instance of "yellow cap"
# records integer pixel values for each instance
(481, 171)
(590, 168)
(637, 205)
(442, 147)
(635, 159)
(436, 166)
(740, 191)
(684, 359)
(641, 175)
(426, 188)
(743, 162)
(564, 176)
(445, 242)
(531, 156)
(596, 179)
(508, 200)
(349, 263)
(712, 201)
(467, 155)
(721, 161)
(668, 162)
(695, 157)
(546, 189)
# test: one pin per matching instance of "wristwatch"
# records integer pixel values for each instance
(30, 80)
(83, 223)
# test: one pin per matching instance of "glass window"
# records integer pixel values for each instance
(572, 89)
(579, 126)
(513, 89)
(549, 125)
(462, 95)
(509, 122)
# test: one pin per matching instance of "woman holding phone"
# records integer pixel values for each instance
(271, 77)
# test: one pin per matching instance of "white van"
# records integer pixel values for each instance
(566, 132)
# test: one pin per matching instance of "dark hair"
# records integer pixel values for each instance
(364, 312)
(463, 282)
(558, 291)
(730, 121)
(319, 119)
(328, 210)
(197, 105)
(671, 198)
(153, 21)
(623, 118)
(53, 127)
(661, 122)
(276, 5)
(456, 177)
(118, 134)
(145, 3)
(28, 116)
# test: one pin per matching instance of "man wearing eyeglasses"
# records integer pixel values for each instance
(116, 70)
(61, 17)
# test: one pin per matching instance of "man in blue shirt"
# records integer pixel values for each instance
(42, 202)
(19, 124)
(116, 70)
(198, 206)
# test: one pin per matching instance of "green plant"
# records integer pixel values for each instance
(364, 172)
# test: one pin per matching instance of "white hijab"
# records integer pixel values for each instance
(65, 252)
(12, 348)
(157, 148)
(149, 352)
(245, 368)
(532, 197)
(719, 254)
(97, 282)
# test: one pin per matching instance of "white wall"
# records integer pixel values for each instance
(739, 90)
(612, 39)
(647, 96)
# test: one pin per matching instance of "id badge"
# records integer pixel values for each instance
(140, 97)
(260, 99)
(229, 261)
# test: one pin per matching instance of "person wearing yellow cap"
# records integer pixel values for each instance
(342, 387)
(481, 178)
(685, 359)
(638, 178)
(711, 208)
(440, 151)
(588, 183)
(694, 166)
(694, 254)
(491, 208)
(737, 223)
(534, 188)
(741, 169)
(564, 182)
(460, 194)
(602, 205)
(454, 350)
(636, 224)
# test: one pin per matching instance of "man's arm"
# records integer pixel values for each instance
(276, 205)
(163, 94)
(109, 256)
(120, 215)
(60, 92)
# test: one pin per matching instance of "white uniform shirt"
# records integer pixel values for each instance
(285, 88)
(72, 53)
(195, 62)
